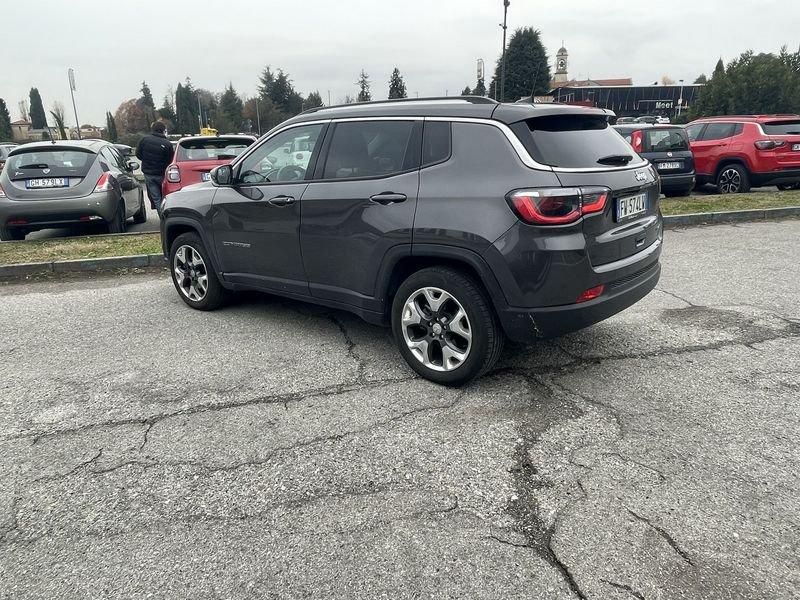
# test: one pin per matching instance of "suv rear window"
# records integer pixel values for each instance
(211, 149)
(665, 140)
(60, 161)
(782, 128)
(575, 141)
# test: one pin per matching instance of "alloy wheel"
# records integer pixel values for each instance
(730, 181)
(436, 329)
(190, 273)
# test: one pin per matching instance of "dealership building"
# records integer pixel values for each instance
(619, 94)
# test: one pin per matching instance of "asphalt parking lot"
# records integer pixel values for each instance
(277, 450)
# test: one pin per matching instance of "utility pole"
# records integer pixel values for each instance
(258, 118)
(503, 67)
(199, 112)
(329, 97)
(71, 75)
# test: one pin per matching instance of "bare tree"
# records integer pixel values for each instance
(24, 111)
(58, 116)
(667, 80)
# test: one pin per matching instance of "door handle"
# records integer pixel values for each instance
(282, 200)
(388, 198)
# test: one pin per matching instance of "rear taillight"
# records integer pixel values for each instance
(636, 141)
(557, 206)
(591, 293)
(104, 183)
(174, 174)
(769, 144)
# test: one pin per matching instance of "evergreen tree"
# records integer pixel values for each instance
(480, 88)
(186, 108)
(701, 79)
(6, 133)
(527, 67)
(466, 91)
(38, 116)
(229, 115)
(147, 98)
(720, 68)
(111, 127)
(313, 100)
(279, 92)
(397, 87)
(364, 94)
(167, 111)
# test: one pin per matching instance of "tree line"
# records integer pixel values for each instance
(32, 110)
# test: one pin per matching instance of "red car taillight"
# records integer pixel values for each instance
(174, 174)
(636, 141)
(769, 144)
(557, 206)
(591, 293)
(103, 184)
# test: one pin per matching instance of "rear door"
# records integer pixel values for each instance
(712, 145)
(118, 167)
(667, 148)
(256, 221)
(586, 152)
(360, 206)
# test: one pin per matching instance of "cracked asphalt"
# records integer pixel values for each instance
(278, 450)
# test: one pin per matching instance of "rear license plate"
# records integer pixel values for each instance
(666, 166)
(206, 177)
(50, 182)
(796, 147)
(631, 206)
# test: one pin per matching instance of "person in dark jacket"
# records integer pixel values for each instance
(155, 151)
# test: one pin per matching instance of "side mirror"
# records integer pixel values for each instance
(222, 175)
(133, 165)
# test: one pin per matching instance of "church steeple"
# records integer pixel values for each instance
(562, 64)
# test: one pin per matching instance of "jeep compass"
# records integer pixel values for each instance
(459, 222)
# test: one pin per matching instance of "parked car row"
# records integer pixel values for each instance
(731, 152)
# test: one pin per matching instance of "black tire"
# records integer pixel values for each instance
(9, 234)
(486, 333)
(678, 193)
(117, 222)
(733, 179)
(140, 216)
(215, 294)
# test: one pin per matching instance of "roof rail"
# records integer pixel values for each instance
(470, 99)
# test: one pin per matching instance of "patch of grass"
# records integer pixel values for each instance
(98, 246)
(721, 203)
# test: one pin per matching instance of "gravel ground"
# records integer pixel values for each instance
(278, 450)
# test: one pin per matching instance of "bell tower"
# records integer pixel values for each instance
(562, 63)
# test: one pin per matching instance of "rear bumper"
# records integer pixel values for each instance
(41, 214)
(678, 181)
(775, 177)
(626, 286)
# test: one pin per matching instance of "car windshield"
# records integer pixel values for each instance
(48, 158)
(665, 140)
(782, 128)
(212, 149)
(577, 141)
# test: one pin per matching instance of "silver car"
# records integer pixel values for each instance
(53, 184)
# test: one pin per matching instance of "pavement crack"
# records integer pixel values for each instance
(677, 297)
(624, 587)
(72, 471)
(351, 347)
(666, 536)
(146, 432)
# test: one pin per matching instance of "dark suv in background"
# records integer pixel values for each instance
(457, 221)
(667, 148)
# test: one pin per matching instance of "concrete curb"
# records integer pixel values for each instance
(731, 216)
(137, 261)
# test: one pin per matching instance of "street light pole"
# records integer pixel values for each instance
(503, 68)
(258, 118)
(680, 100)
(71, 76)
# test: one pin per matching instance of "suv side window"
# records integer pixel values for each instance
(718, 131)
(693, 131)
(362, 149)
(435, 143)
(283, 157)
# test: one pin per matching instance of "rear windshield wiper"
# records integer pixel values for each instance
(615, 159)
(34, 166)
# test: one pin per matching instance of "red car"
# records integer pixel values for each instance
(735, 152)
(196, 156)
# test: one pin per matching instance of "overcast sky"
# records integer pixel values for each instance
(323, 44)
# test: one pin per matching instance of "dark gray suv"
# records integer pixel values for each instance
(457, 221)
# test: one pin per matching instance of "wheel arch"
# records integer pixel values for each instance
(175, 226)
(731, 160)
(432, 255)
